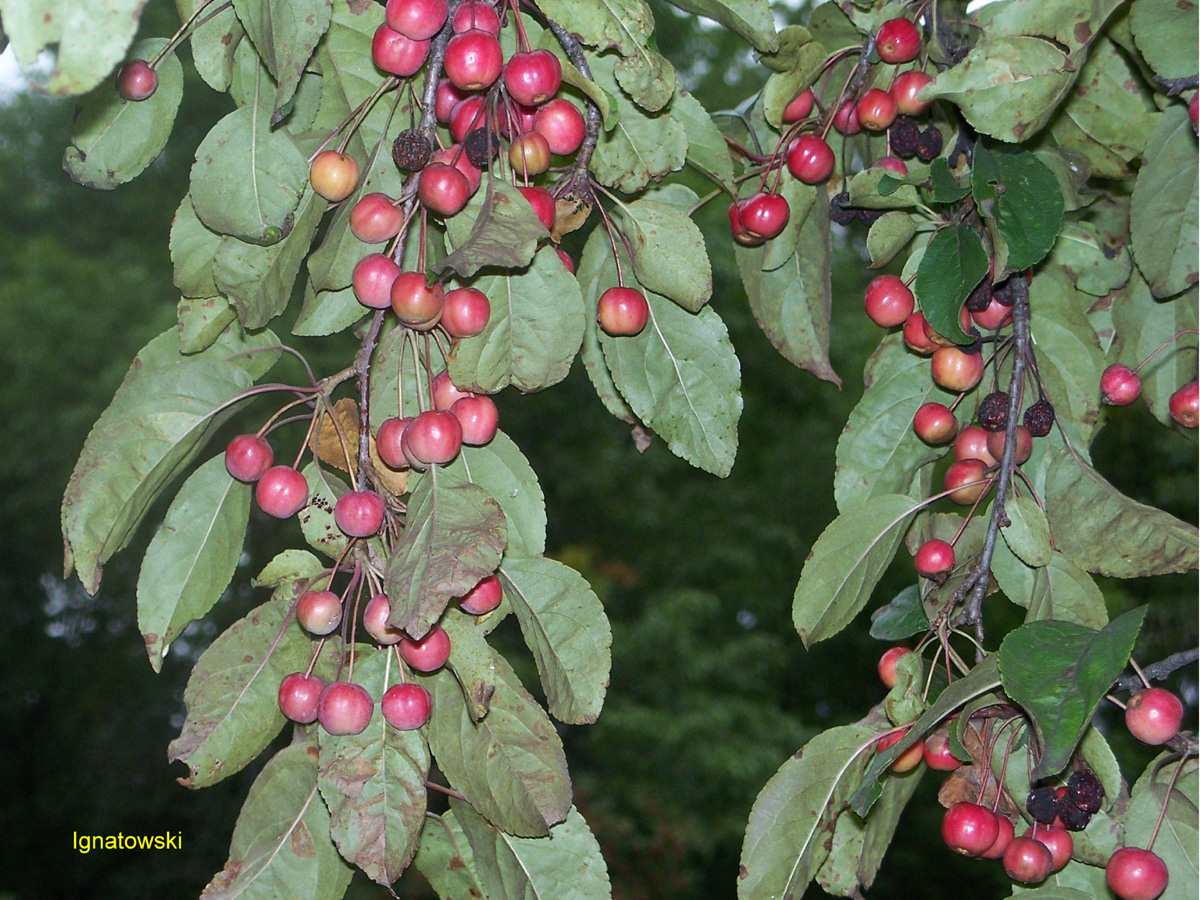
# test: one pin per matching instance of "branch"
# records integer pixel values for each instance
(1176, 86)
(1158, 671)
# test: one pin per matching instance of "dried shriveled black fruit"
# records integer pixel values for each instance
(1039, 418)
(411, 151)
(481, 148)
(870, 216)
(839, 209)
(1003, 292)
(993, 411)
(1043, 804)
(929, 144)
(978, 299)
(903, 137)
(1085, 791)
(1072, 817)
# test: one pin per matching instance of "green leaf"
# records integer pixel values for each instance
(1072, 23)
(213, 43)
(902, 618)
(191, 559)
(889, 234)
(564, 626)
(232, 696)
(327, 312)
(944, 187)
(497, 227)
(707, 151)
(161, 416)
(668, 252)
(1103, 531)
(290, 565)
(780, 250)
(113, 139)
(281, 844)
(445, 859)
(786, 837)
(193, 251)
(1166, 33)
(751, 19)
(534, 332)
(1059, 591)
(202, 321)
(247, 179)
(374, 783)
(1017, 190)
(349, 69)
(1058, 672)
(791, 301)
(454, 535)
(510, 766)
(502, 470)
(1177, 836)
(1092, 265)
(878, 451)
(846, 563)
(953, 264)
(1027, 532)
(876, 188)
(782, 87)
(284, 33)
(258, 280)
(566, 865)
(1143, 325)
(1007, 87)
(594, 275)
(89, 37)
(1110, 105)
(1165, 211)
(471, 659)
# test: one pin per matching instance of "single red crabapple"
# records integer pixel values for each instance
(995, 315)
(955, 369)
(375, 616)
(1057, 840)
(299, 695)
(898, 41)
(1119, 385)
(1135, 874)
(1185, 405)
(940, 758)
(935, 424)
(905, 89)
(542, 202)
(1154, 716)
(971, 443)
(995, 443)
(622, 311)
(281, 492)
(319, 612)
(800, 107)
(447, 97)
(887, 665)
(465, 312)
(429, 653)
(810, 159)
(406, 707)
(375, 219)
(482, 598)
(967, 481)
(396, 54)
(443, 189)
(529, 154)
(452, 156)
(915, 337)
(969, 829)
(416, 19)
(478, 418)
(888, 301)
(1003, 838)
(1027, 861)
(333, 175)
(564, 257)
(444, 393)
(433, 437)
(876, 110)
(345, 708)
(561, 124)
(892, 164)
(248, 456)
(532, 77)
(468, 114)
(845, 120)
(476, 14)
(907, 760)
(137, 80)
(359, 513)
(372, 280)
(388, 442)
(417, 303)
(473, 59)
(934, 558)
(1194, 112)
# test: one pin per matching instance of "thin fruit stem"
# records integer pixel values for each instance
(1138, 670)
(1167, 799)
(1172, 339)
(193, 23)
(316, 653)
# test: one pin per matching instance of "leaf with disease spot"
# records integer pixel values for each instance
(288, 565)
(1027, 532)
(113, 140)
(1020, 194)
(953, 264)
(889, 234)
(232, 695)
(374, 782)
(350, 73)
(1165, 212)
(669, 256)
(192, 557)
(752, 19)
(454, 535)
(445, 859)
(160, 417)
(1166, 33)
(1058, 672)
(1093, 266)
(533, 334)
(316, 518)
(566, 865)
(281, 844)
(1060, 590)
(1103, 531)
(1110, 103)
(1072, 23)
(497, 227)
(510, 766)
(501, 469)
(878, 452)
(565, 627)
(846, 563)
(214, 42)
(194, 249)
(284, 32)
(1145, 324)
(470, 660)
(787, 836)
(201, 321)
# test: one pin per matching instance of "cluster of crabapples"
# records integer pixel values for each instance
(807, 154)
(975, 829)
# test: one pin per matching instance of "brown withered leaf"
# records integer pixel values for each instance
(327, 445)
(570, 212)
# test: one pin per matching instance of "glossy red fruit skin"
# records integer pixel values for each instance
(622, 311)
(800, 107)
(394, 53)
(453, 156)
(1027, 861)
(969, 829)
(876, 110)
(443, 189)
(375, 616)
(434, 437)
(561, 124)
(995, 316)
(1194, 112)
(416, 19)
(467, 115)
(737, 230)
(465, 312)
(904, 91)
(137, 81)
(319, 612)
(1136, 874)
(445, 393)
(478, 418)
(565, 258)
(482, 598)
(893, 164)
(1185, 405)
(1119, 385)
(345, 708)
(886, 667)
(1058, 841)
(1003, 838)
(429, 653)
(359, 513)
(845, 120)
(542, 202)
(995, 444)
(764, 215)
(888, 301)
(966, 481)
(248, 456)
(915, 337)
(909, 759)
(898, 41)
(956, 370)
(476, 14)
(447, 97)
(1154, 716)
(333, 175)
(529, 154)
(417, 303)
(473, 59)
(373, 278)
(935, 424)
(810, 159)
(281, 492)
(971, 443)
(299, 695)
(406, 707)
(934, 557)
(387, 442)
(532, 77)
(375, 219)
(939, 758)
